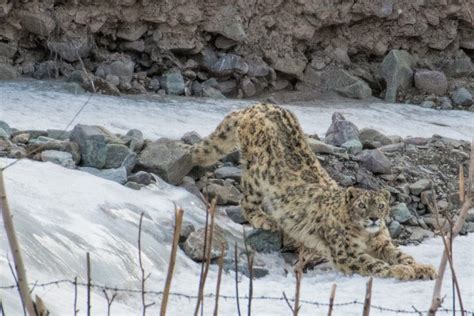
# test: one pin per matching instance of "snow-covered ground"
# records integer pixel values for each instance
(61, 214)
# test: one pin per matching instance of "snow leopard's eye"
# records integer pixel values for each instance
(381, 206)
(361, 205)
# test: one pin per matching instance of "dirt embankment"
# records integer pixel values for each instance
(234, 48)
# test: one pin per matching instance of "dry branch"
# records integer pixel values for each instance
(220, 263)
(110, 300)
(250, 268)
(178, 220)
(236, 268)
(467, 204)
(142, 269)
(15, 250)
(331, 299)
(75, 297)
(368, 298)
(88, 266)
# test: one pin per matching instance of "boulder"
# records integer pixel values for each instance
(264, 241)
(375, 161)
(432, 82)
(257, 66)
(352, 146)
(462, 97)
(7, 72)
(194, 245)
(371, 138)
(235, 214)
(115, 155)
(167, 158)
(248, 87)
(225, 194)
(61, 158)
(228, 23)
(7, 50)
(131, 31)
(134, 140)
(71, 48)
(419, 186)
(228, 173)
(191, 138)
(141, 177)
(394, 229)
(43, 143)
(229, 64)
(359, 89)
(121, 67)
(6, 128)
(401, 213)
(319, 147)
(341, 131)
(38, 22)
(460, 66)
(397, 72)
(92, 143)
(173, 83)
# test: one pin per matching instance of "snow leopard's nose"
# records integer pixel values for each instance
(374, 219)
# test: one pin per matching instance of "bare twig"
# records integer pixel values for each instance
(207, 258)
(88, 263)
(110, 300)
(299, 275)
(288, 303)
(250, 268)
(142, 269)
(17, 285)
(331, 299)
(178, 220)
(15, 250)
(220, 263)
(447, 253)
(368, 298)
(236, 268)
(75, 297)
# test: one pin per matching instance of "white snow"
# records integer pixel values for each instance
(61, 214)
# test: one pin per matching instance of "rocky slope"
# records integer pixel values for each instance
(243, 48)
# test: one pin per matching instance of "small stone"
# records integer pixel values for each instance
(194, 245)
(113, 79)
(248, 87)
(417, 141)
(426, 197)
(129, 162)
(235, 214)
(122, 67)
(264, 241)
(320, 147)
(228, 172)
(134, 140)
(357, 90)
(433, 82)
(133, 185)
(419, 186)
(116, 155)
(141, 177)
(4, 135)
(397, 72)
(462, 97)
(225, 194)
(191, 138)
(92, 143)
(395, 229)
(186, 230)
(428, 104)
(118, 175)
(375, 161)
(8, 72)
(58, 157)
(6, 128)
(445, 103)
(401, 213)
(173, 83)
(353, 146)
(228, 65)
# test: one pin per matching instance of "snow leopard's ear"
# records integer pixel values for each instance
(351, 194)
(386, 194)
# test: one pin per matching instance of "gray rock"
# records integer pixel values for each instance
(375, 161)
(320, 147)
(130, 162)
(173, 83)
(61, 158)
(6, 128)
(371, 138)
(264, 241)
(225, 194)
(229, 64)
(141, 177)
(131, 31)
(58, 134)
(7, 72)
(134, 140)
(228, 172)
(235, 214)
(257, 66)
(133, 185)
(353, 146)
(248, 87)
(401, 213)
(428, 104)
(341, 131)
(357, 90)
(71, 48)
(460, 66)
(37, 22)
(186, 230)
(445, 103)
(462, 97)
(44, 143)
(419, 186)
(167, 158)
(211, 92)
(191, 138)
(115, 155)
(135, 46)
(397, 72)
(470, 215)
(3, 134)
(227, 22)
(395, 229)
(112, 79)
(118, 175)
(7, 50)
(92, 142)
(432, 82)
(392, 147)
(418, 234)
(122, 67)
(194, 245)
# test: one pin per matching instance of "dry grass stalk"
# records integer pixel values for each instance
(331, 299)
(368, 298)
(110, 300)
(178, 220)
(456, 228)
(236, 268)
(88, 267)
(299, 276)
(23, 287)
(207, 252)
(250, 267)
(220, 263)
(288, 303)
(75, 297)
(142, 269)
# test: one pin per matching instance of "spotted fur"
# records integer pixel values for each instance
(286, 188)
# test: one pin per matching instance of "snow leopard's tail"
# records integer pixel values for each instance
(220, 143)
